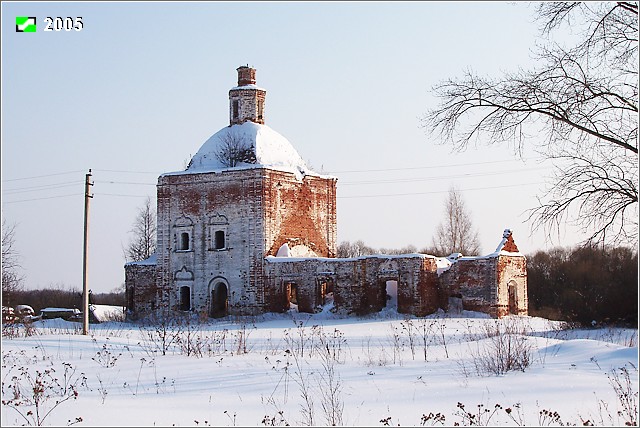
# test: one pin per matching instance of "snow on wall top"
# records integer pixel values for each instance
(152, 260)
(506, 247)
(299, 251)
(271, 149)
(249, 86)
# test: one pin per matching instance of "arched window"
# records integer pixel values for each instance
(218, 236)
(183, 242)
(185, 298)
(219, 240)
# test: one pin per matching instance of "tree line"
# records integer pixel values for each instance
(584, 284)
(58, 297)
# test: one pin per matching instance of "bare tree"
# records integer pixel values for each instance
(11, 277)
(347, 249)
(579, 108)
(143, 243)
(235, 149)
(455, 234)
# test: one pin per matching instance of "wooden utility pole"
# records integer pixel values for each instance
(85, 253)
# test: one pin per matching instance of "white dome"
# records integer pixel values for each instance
(271, 149)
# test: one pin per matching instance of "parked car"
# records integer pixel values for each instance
(64, 313)
(25, 313)
(23, 310)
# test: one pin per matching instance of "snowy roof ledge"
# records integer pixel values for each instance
(507, 246)
(151, 261)
(250, 86)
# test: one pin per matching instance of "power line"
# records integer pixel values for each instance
(40, 188)
(118, 194)
(442, 177)
(435, 191)
(127, 172)
(124, 182)
(40, 199)
(42, 176)
(428, 167)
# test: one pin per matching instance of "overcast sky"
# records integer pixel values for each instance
(142, 86)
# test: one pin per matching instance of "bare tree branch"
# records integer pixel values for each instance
(235, 149)
(579, 108)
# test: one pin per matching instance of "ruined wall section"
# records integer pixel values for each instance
(140, 289)
(358, 284)
(512, 286)
(300, 212)
(474, 279)
(197, 206)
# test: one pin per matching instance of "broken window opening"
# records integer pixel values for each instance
(185, 298)
(513, 298)
(219, 240)
(292, 295)
(183, 242)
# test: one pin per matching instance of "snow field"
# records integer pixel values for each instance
(322, 369)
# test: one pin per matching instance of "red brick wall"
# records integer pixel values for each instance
(300, 212)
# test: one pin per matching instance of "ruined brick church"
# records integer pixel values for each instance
(247, 228)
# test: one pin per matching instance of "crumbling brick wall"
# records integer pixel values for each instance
(300, 212)
(512, 286)
(140, 288)
(485, 284)
(474, 280)
(200, 205)
(358, 285)
(257, 209)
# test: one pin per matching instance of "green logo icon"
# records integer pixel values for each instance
(25, 24)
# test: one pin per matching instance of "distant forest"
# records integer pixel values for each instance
(60, 298)
(582, 284)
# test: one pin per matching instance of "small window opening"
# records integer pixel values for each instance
(219, 240)
(131, 301)
(184, 241)
(235, 109)
(260, 108)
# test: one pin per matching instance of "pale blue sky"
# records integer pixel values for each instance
(143, 85)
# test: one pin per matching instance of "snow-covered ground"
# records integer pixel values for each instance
(320, 369)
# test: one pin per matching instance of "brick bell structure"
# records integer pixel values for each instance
(247, 228)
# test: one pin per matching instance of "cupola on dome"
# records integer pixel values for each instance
(247, 141)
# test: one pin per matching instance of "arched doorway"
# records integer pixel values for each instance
(219, 300)
(513, 297)
(185, 298)
(391, 294)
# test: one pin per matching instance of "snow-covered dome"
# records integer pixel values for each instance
(267, 148)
